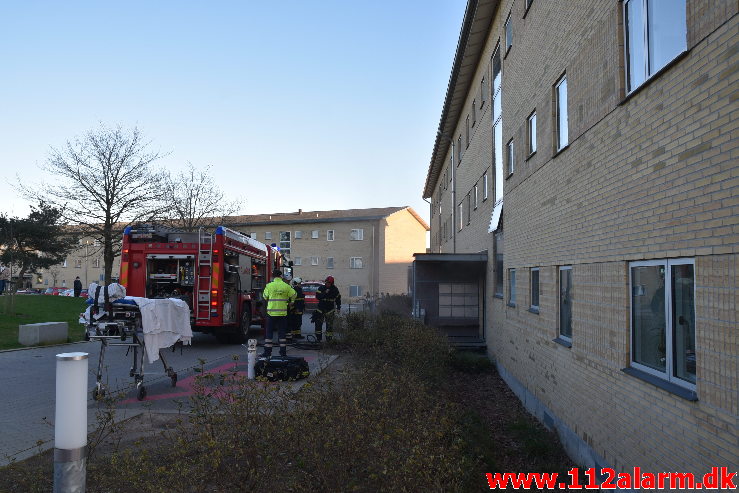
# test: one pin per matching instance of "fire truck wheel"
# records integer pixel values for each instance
(244, 325)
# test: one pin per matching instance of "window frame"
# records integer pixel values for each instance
(330, 235)
(560, 334)
(329, 262)
(512, 287)
(531, 133)
(315, 260)
(508, 32)
(268, 236)
(315, 234)
(534, 307)
(649, 73)
(353, 263)
(459, 151)
(355, 288)
(667, 375)
(298, 261)
(561, 144)
(360, 234)
(485, 186)
(476, 195)
(510, 157)
(298, 235)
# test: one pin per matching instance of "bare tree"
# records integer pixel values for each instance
(193, 200)
(103, 182)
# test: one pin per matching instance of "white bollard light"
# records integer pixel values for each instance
(70, 423)
(251, 359)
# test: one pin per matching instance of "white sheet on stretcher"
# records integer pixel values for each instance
(165, 322)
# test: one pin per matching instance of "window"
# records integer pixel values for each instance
(355, 263)
(508, 33)
(329, 262)
(78, 263)
(458, 300)
(461, 215)
(314, 260)
(459, 150)
(298, 235)
(268, 235)
(474, 111)
(532, 133)
(64, 264)
(512, 287)
(528, 3)
(483, 91)
(253, 235)
(565, 303)
(511, 163)
(561, 98)
(355, 291)
(535, 289)
(330, 235)
(485, 186)
(467, 211)
(498, 239)
(96, 243)
(467, 132)
(314, 234)
(96, 263)
(357, 234)
(655, 34)
(475, 193)
(298, 261)
(285, 242)
(663, 319)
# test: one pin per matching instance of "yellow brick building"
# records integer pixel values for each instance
(589, 150)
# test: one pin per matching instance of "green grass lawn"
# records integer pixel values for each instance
(29, 309)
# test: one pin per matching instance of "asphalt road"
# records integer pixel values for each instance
(28, 385)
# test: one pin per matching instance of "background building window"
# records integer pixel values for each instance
(329, 262)
(355, 263)
(355, 291)
(458, 300)
(314, 234)
(565, 302)
(356, 234)
(535, 288)
(253, 234)
(268, 235)
(656, 33)
(461, 215)
(532, 133)
(512, 287)
(285, 242)
(314, 260)
(663, 319)
(485, 186)
(298, 261)
(78, 263)
(562, 128)
(298, 235)
(330, 235)
(475, 195)
(459, 150)
(96, 263)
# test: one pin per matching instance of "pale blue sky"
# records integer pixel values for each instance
(295, 104)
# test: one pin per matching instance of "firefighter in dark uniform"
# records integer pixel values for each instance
(329, 302)
(295, 316)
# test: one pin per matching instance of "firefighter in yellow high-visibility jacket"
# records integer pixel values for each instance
(279, 297)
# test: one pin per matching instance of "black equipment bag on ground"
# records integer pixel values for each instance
(282, 368)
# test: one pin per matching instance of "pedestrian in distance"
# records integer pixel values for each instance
(4, 278)
(77, 287)
(279, 297)
(329, 302)
(295, 317)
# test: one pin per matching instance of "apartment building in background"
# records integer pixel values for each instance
(585, 182)
(367, 251)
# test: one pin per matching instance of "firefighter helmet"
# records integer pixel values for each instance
(330, 279)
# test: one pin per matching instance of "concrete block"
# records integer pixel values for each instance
(43, 333)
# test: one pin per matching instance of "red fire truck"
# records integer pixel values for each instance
(220, 275)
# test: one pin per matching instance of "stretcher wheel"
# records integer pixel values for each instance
(174, 379)
(141, 393)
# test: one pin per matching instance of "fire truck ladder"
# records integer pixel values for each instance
(205, 279)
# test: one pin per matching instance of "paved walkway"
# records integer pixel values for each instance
(27, 380)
